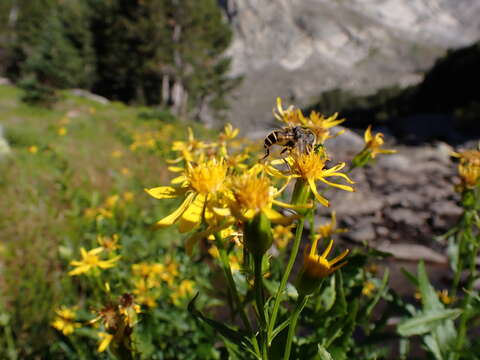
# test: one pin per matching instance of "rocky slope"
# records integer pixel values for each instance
(297, 49)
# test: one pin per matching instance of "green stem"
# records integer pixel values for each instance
(231, 283)
(301, 301)
(286, 274)
(260, 301)
(462, 332)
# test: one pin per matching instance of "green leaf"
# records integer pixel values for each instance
(412, 278)
(235, 336)
(381, 291)
(426, 322)
(430, 298)
(323, 353)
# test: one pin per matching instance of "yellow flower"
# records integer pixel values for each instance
(234, 260)
(111, 201)
(468, 156)
(189, 149)
(91, 261)
(65, 320)
(104, 341)
(368, 288)
(311, 167)
(252, 194)
(62, 131)
(125, 171)
(282, 235)
(200, 184)
(143, 293)
(373, 143)
(316, 122)
(129, 309)
(117, 154)
(317, 266)
(33, 149)
(445, 298)
(469, 173)
(185, 288)
(327, 230)
(128, 196)
(109, 243)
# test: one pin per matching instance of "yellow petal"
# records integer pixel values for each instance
(339, 257)
(340, 186)
(328, 249)
(368, 134)
(163, 192)
(319, 197)
(192, 215)
(173, 217)
(178, 180)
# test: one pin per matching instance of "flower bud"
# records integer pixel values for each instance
(258, 234)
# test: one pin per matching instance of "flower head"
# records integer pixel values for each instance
(469, 174)
(373, 143)
(65, 320)
(185, 288)
(327, 230)
(33, 149)
(311, 167)
(91, 261)
(200, 183)
(317, 267)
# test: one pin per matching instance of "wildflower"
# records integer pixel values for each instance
(111, 201)
(311, 167)
(282, 235)
(445, 298)
(185, 288)
(468, 156)
(316, 122)
(317, 267)
(117, 154)
(109, 243)
(234, 260)
(128, 196)
(469, 174)
(32, 149)
(368, 288)
(373, 143)
(92, 110)
(129, 309)
(327, 230)
(104, 341)
(143, 293)
(125, 171)
(199, 183)
(189, 149)
(91, 261)
(65, 320)
(62, 131)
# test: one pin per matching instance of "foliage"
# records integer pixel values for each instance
(174, 51)
(82, 266)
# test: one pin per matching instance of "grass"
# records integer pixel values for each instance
(44, 195)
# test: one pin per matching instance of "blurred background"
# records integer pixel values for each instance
(93, 92)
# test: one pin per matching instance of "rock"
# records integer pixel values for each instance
(298, 49)
(363, 233)
(4, 81)
(413, 252)
(5, 149)
(88, 95)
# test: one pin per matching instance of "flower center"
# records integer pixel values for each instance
(252, 192)
(207, 178)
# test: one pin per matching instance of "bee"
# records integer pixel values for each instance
(291, 137)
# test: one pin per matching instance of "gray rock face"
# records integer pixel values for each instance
(298, 48)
